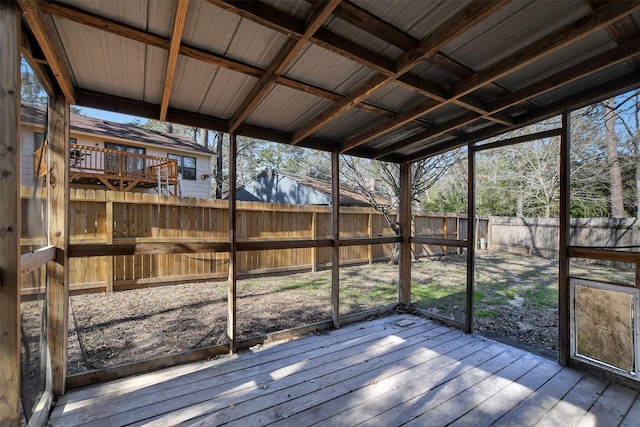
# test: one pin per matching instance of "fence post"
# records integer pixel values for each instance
(109, 263)
(370, 234)
(314, 236)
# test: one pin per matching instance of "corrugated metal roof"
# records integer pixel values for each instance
(115, 53)
(286, 109)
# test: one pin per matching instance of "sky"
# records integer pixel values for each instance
(109, 116)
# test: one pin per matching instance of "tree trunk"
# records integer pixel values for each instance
(615, 174)
(205, 137)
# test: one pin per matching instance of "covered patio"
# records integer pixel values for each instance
(394, 81)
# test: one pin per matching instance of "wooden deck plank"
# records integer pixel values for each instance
(576, 403)
(469, 403)
(389, 409)
(399, 370)
(264, 354)
(368, 402)
(341, 365)
(220, 372)
(490, 410)
(470, 372)
(632, 417)
(538, 404)
(384, 375)
(610, 408)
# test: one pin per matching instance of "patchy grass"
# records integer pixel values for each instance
(513, 295)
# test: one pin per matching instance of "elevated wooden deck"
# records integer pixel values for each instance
(398, 370)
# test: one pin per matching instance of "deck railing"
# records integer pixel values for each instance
(113, 165)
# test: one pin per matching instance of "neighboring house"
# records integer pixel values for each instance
(120, 157)
(273, 186)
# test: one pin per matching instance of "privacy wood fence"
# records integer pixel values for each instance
(539, 236)
(112, 218)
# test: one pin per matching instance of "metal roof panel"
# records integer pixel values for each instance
(286, 109)
(117, 67)
(325, 69)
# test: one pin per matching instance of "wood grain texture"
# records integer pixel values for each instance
(58, 236)
(10, 215)
(395, 370)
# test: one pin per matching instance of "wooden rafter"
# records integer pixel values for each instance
(429, 133)
(36, 63)
(34, 19)
(622, 84)
(626, 51)
(548, 45)
(174, 48)
(375, 26)
(282, 60)
(277, 20)
(94, 21)
(603, 17)
(473, 14)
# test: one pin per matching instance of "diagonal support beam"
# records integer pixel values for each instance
(287, 54)
(456, 26)
(123, 30)
(174, 48)
(625, 51)
(34, 19)
(600, 19)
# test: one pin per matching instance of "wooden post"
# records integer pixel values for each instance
(233, 266)
(58, 236)
(314, 236)
(10, 214)
(444, 233)
(471, 241)
(405, 234)
(564, 334)
(335, 232)
(370, 234)
(109, 231)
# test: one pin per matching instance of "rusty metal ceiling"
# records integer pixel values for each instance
(396, 80)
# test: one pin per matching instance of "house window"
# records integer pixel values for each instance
(186, 165)
(122, 162)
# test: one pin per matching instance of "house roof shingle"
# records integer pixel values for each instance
(36, 116)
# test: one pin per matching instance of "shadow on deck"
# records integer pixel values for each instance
(397, 370)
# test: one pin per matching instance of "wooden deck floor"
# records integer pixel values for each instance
(399, 370)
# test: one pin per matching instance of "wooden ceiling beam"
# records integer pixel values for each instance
(604, 16)
(572, 102)
(457, 25)
(174, 48)
(364, 20)
(117, 104)
(123, 30)
(598, 20)
(286, 55)
(36, 64)
(614, 56)
(626, 51)
(434, 132)
(280, 21)
(32, 15)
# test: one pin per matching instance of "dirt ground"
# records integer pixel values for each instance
(516, 298)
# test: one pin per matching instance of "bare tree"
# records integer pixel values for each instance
(379, 182)
(613, 159)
